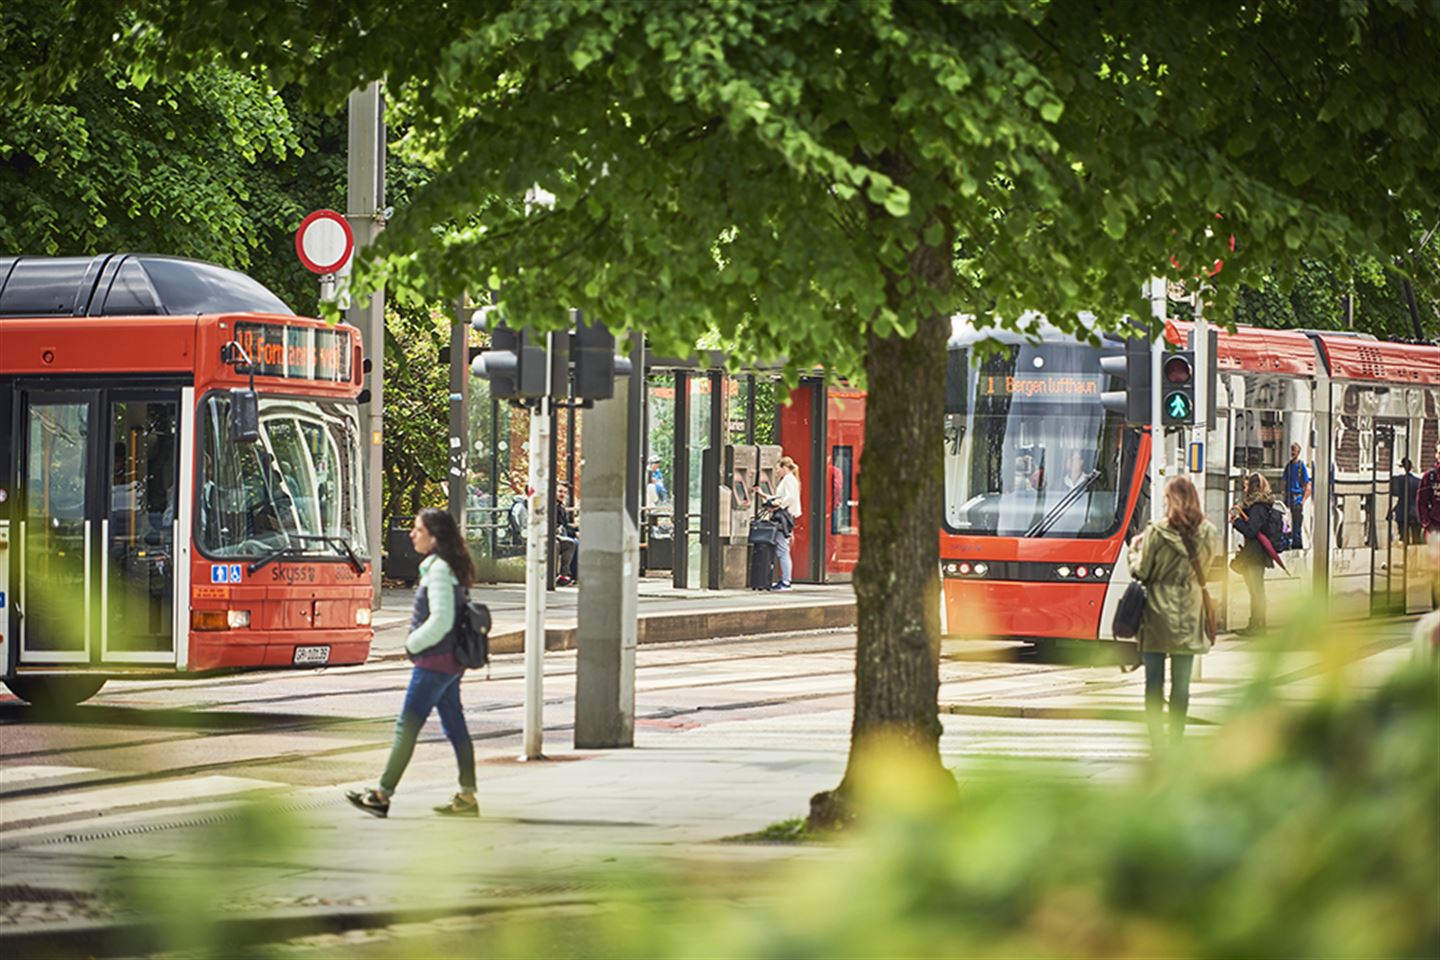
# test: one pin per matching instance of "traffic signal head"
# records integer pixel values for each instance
(1177, 397)
(596, 365)
(1132, 366)
(515, 364)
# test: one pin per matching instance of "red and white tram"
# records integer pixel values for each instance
(180, 476)
(1024, 557)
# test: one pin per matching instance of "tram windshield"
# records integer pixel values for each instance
(297, 490)
(1029, 450)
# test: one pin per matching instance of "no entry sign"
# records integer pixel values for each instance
(324, 242)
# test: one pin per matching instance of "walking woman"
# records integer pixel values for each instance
(445, 573)
(1250, 518)
(1165, 558)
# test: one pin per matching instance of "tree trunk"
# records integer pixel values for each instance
(897, 670)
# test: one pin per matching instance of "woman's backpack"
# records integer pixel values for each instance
(472, 635)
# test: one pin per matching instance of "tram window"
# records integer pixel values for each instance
(1035, 454)
(301, 480)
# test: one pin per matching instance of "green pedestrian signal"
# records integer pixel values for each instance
(1178, 408)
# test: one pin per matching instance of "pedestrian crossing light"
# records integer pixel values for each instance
(1178, 383)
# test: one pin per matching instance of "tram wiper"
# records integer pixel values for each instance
(339, 544)
(289, 550)
(1046, 522)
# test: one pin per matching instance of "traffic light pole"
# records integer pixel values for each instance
(1157, 421)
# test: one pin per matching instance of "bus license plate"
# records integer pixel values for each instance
(312, 655)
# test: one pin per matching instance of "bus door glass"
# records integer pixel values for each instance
(59, 431)
(139, 532)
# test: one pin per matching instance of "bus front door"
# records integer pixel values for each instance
(98, 529)
(140, 528)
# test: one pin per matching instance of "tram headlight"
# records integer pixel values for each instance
(980, 569)
(235, 619)
(362, 616)
(1063, 572)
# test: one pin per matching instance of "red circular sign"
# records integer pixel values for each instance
(324, 242)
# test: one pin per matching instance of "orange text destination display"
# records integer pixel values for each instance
(296, 353)
(1057, 386)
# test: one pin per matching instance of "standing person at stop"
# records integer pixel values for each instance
(445, 573)
(1427, 507)
(787, 498)
(1297, 491)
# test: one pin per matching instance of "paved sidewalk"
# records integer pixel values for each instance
(665, 614)
(563, 827)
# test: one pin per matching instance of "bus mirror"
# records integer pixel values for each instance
(363, 396)
(244, 415)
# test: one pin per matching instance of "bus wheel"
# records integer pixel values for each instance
(55, 691)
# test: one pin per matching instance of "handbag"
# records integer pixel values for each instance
(1207, 605)
(763, 531)
(1129, 611)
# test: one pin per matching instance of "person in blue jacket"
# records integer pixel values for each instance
(445, 573)
(1296, 480)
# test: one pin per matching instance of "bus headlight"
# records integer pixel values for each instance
(237, 618)
(362, 616)
(980, 569)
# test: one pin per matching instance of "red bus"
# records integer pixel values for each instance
(1026, 556)
(180, 477)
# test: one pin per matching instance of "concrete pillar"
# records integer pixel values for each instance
(609, 564)
(366, 214)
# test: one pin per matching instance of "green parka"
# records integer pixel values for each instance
(1173, 618)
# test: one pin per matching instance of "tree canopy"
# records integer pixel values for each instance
(762, 168)
(831, 181)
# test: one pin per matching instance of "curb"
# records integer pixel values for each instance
(1012, 711)
(676, 627)
(132, 937)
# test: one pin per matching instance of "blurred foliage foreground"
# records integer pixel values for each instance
(1297, 830)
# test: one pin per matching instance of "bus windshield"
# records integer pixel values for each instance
(297, 489)
(1029, 450)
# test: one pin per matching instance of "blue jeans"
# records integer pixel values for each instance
(1181, 667)
(782, 550)
(430, 690)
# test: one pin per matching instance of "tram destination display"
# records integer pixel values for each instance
(295, 352)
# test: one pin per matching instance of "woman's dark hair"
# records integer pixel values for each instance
(449, 544)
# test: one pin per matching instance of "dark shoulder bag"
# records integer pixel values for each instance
(1129, 611)
(1207, 604)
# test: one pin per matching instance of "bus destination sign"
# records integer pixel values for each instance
(296, 353)
(1062, 386)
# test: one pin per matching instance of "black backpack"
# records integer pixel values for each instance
(472, 635)
(1274, 528)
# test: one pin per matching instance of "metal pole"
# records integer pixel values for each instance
(1157, 429)
(459, 486)
(536, 539)
(1201, 432)
(366, 205)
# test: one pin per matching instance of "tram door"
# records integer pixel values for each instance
(1388, 567)
(97, 526)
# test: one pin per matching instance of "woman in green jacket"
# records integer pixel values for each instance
(1173, 624)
